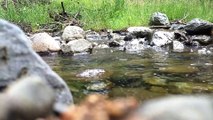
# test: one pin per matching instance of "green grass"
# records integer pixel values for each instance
(111, 14)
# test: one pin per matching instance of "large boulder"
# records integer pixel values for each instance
(76, 46)
(199, 27)
(178, 108)
(72, 33)
(158, 18)
(43, 42)
(18, 59)
(161, 38)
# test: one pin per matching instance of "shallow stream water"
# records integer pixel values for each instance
(149, 74)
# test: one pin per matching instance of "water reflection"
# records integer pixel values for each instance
(146, 75)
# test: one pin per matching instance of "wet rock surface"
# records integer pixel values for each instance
(198, 27)
(18, 59)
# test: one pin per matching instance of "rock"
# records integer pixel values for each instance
(43, 42)
(181, 36)
(98, 86)
(72, 33)
(198, 27)
(178, 46)
(93, 36)
(161, 38)
(101, 46)
(177, 27)
(202, 39)
(178, 108)
(140, 32)
(76, 46)
(134, 45)
(114, 43)
(28, 98)
(128, 37)
(116, 36)
(91, 73)
(179, 69)
(159, 19)
(18, 59)
(204, 51)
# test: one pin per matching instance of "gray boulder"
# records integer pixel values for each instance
(178, 108)
(161, 38)
(202, 39)
(43, 42)
(18, 59)
(76, 46)
(140, 32)
(199, 27)
(158, 18)
(72, 33)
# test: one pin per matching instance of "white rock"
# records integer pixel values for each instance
(204, 51)
(161, 38)
(76, 46)
(178, 46)
(43, 42)
(91, 73)
(72, 33)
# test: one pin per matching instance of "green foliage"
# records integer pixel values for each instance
(114, 14)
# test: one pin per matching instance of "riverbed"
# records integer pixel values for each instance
(149, 74)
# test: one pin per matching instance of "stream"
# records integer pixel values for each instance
(149, 74)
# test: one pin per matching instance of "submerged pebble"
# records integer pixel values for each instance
(91, 73)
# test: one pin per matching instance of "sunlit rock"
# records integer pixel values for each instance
(76, 46)
(178, 46)
(91, 73)
(72, 33)
(98, 86)
(161, 38)
(18, 59)
(204, 51)
(43, 42)
(134, 46)
(158, 18)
